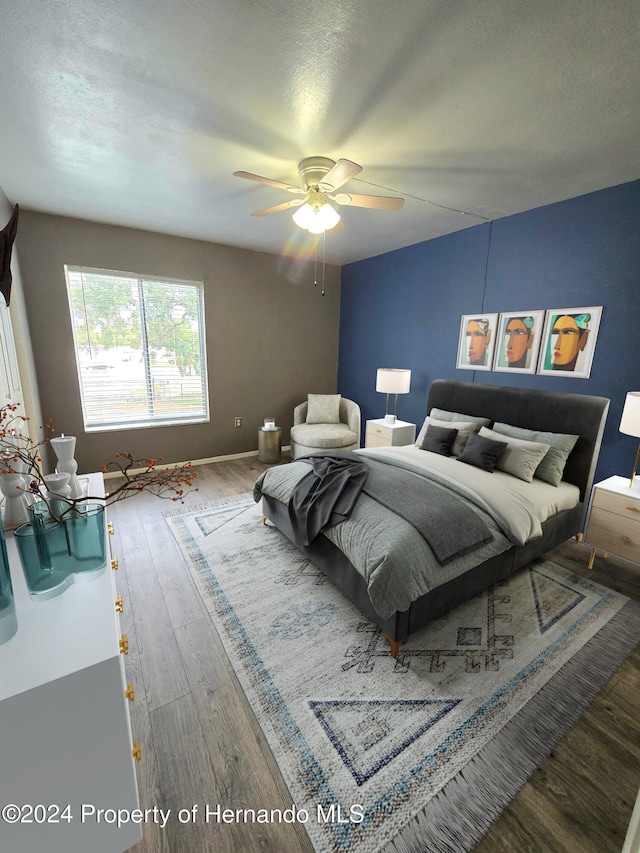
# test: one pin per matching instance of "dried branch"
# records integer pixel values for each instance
(22, 455)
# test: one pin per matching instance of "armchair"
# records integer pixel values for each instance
(308, 437)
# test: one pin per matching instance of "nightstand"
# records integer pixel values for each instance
(613, 520)
(379, 433)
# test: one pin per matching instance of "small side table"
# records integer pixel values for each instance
(269, 444)
(613, 521)
(379, 433)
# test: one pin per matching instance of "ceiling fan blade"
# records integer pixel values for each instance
(338, 175)
(376, 202)
(278, 207)
(249, 176)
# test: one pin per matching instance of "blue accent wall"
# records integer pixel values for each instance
(403, 309)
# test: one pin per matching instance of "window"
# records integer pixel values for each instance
(139, 349)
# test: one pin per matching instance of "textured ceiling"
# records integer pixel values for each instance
(137, 112)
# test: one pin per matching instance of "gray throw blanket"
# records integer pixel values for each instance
(445, 522)
(327, 495)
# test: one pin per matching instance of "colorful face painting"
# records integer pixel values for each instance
(517, 350)
(570, 342)
(475, 347)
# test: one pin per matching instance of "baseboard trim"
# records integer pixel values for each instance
(194, 462)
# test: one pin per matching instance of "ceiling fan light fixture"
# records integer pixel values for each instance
(330, 215)
(316, 218)
(303, 216)
(316, 226)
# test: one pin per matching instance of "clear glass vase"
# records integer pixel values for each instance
(55, 554)
(8, 619)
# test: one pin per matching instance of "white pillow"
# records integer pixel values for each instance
(465, 428)
(551, 468)
(521, 458)
(445, 415)
(323, 408)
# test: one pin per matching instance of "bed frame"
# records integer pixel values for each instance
(550, 411)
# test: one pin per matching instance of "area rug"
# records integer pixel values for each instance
(418, 753)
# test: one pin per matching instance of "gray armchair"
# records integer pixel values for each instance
(311, 437)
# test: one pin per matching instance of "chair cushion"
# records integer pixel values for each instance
(323, 409)
(323, 435)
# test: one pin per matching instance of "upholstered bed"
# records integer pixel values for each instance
(394, 572)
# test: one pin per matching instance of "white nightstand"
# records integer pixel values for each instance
(613, 520)
(379, 433)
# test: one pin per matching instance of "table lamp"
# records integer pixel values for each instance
(630, 424)
(391, 380)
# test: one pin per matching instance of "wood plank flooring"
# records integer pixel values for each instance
(202, 744)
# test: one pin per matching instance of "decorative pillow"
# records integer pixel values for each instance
(521, 458)
(465, 428)
(561, 444)
(439, 440)
(423, 432)
(482, 452)
(444, 415)
(323, 408)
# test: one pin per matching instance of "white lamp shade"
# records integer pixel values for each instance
(630, 421)
(390, 380)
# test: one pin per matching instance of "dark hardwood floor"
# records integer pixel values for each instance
(201, 742)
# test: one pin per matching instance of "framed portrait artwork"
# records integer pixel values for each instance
(477, 340)
(569, 341)
(518, 342)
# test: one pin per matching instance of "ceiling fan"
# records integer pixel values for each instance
(321, 177)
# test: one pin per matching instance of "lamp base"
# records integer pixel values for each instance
(389, 419)
(635, 467)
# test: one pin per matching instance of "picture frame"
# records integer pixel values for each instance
(518, 341)
(569, 341)
(476, 341)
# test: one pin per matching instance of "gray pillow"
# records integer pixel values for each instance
(551, 468)
(482, 452)
(439, 440)
(465, 428)
(444, 415)
(521, 458)
(323, 409)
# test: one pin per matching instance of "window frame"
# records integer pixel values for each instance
(149, 422)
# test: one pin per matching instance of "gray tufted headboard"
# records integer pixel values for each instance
(551, 411)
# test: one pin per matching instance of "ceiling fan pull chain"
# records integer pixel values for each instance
(324, 247)
(315, 263)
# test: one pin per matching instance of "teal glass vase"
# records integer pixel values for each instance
(56, 553)
(8, 619)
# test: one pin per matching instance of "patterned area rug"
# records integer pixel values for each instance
(418, 753)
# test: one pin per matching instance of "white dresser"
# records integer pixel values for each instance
(613, 520)
(65, 734)
(379, 433)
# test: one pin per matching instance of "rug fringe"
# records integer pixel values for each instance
(230, 499)
(455, 820)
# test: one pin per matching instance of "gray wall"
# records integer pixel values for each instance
(271, 337)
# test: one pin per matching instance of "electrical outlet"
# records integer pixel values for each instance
(238, 423)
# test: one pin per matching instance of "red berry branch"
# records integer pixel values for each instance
(22, 455)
